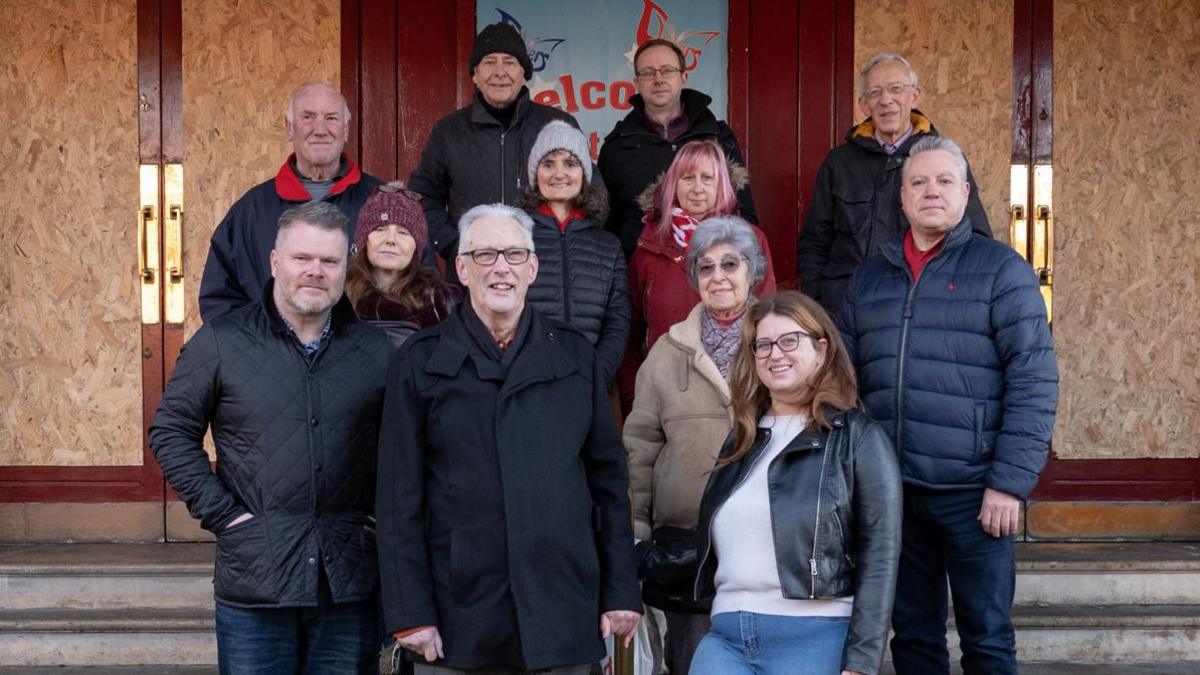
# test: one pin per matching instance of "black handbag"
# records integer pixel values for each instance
(667, 566)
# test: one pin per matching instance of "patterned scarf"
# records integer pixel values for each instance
(682, 227)
(719, 341)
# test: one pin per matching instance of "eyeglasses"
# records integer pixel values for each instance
(729, 265)
(788, 342)
(895, 89)
(486, 257)
(666, 73)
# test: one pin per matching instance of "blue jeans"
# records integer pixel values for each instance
(328, 639)
(942, 537)
(764, 644)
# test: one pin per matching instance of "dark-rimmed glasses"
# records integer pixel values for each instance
(486, 257)
(788, 342)
(729, 265)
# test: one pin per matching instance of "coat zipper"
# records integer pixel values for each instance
(738, 484)
(904, 326)
(566, 268)
(502, 183)
(812, 562)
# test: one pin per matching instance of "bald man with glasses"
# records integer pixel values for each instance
(855, 206)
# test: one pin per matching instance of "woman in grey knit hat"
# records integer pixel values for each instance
(581, 270)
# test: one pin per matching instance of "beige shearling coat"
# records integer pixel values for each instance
(681, 415)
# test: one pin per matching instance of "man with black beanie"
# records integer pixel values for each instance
(478, 154)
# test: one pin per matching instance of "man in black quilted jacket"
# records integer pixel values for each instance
(292, 388)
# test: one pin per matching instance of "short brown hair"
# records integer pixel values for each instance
(658, 42)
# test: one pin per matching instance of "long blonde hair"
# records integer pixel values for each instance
(833, 385)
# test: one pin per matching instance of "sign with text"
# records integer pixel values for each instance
(582, 53)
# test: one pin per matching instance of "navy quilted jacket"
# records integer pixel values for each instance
(959, 368)
(295, 442)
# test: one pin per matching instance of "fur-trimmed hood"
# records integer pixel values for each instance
(739, 177)
(594, 206)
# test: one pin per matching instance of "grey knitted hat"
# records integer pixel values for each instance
(558, 135)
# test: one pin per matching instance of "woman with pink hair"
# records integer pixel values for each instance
(699, 184)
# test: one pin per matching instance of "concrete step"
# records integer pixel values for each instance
(1107, 633)
(1182, 668)
(1103, 574)
(106, 576)
(107, 637)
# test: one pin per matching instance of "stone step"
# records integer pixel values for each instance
(1027, 668)
(106, 576)
(107, 637)
(1103, 574)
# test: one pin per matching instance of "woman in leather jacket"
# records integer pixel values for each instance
(799, 532)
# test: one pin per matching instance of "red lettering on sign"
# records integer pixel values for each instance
(588, 93)
(619, 94)
(548, 97)
(568, 87)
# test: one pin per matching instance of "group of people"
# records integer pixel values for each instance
(601, 407)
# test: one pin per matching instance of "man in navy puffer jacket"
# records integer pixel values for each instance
(948, 334)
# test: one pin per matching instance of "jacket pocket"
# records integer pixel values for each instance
(980, 442)
(845, 543)
(243, 572)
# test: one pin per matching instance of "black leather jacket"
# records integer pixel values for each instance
(835, 511)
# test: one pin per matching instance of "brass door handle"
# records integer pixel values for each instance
(175, 262)
(1043, 263)
(145, 218)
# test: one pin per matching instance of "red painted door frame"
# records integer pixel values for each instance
(160, 141)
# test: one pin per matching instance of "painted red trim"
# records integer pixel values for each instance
(465, 20)
(1120, 480)
(1042, 75)
(351, 61)
(1022, 88)
(378, 85)
(171, 68)
(149, 83)
(425, 79)
(774, 122)
(738, 74)
(845, 70)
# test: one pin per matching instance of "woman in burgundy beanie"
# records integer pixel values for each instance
(386, 282)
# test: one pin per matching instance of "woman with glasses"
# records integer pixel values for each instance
(700, 184)
(800, 521)
(581, 277)
(386, 282)
(681, 413)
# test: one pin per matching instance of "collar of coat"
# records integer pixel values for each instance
(341, 315)
(960, 235)
(695, 104)
(480, 115)
(289, 187)
(541, 356)
(864, 133)
(685, 335)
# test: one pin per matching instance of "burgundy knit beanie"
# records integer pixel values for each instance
(392, 204)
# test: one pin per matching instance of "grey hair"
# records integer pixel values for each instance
(730, 230)
(930, 143)
(289, 112)
(883, 57)
(322, 215)
(494, 211)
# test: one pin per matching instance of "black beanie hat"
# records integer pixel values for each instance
(501, 38)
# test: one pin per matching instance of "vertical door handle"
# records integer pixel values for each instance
(173, 241)
(148, 243)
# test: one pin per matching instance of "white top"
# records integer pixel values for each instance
(747, 578)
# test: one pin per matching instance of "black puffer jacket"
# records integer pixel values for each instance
(855, 209)
(582, 279)
(634, 155)
(295, 448)
(836, 511)
(470, 159)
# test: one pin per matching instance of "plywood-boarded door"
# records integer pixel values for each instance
(82, 346)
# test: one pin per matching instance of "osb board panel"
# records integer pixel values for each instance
(962, 52)
(241, 62)
(70, 371)
(1127, 253)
